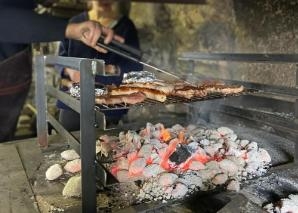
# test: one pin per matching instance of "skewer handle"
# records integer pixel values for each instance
(124, 47)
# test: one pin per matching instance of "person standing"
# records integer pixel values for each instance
(109, 14)
(20, 26)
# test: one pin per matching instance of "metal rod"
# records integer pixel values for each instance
(296, 118)
(132, 58)
(65, 98)
(41, 103)
(87, 137)
(240, 57)
(296, 142)
(125, 47)
(291, 91)
(70, 62)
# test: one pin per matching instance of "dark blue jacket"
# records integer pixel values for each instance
(124, 28)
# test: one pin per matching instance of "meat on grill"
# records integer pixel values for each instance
(132, 98)
(149, 93)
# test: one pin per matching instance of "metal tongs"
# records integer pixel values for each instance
(132, 54)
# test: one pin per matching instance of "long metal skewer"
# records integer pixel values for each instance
(135, 59)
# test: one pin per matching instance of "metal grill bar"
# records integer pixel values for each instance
(68, 100)
(243, 57)
(171, 100)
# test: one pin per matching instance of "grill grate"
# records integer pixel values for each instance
(171, 100)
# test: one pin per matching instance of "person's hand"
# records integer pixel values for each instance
(89, 32)
(112, 69)
(74, 75)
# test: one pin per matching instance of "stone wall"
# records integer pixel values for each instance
(265, 26)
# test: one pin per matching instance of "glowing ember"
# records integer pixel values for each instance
(172, 162)
(165, 135)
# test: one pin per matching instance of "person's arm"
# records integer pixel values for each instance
(25, 26)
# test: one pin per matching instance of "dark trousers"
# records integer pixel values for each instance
(15, 79)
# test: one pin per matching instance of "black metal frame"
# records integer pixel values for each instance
(284, 127)
(91, 170)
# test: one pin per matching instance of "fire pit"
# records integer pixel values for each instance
(151, 186)
(179, 160)
(173, 162)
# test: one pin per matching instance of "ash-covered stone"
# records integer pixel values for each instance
(70, 155)
(233, 185)
(73, 187)
(54, 172)
(73, 166)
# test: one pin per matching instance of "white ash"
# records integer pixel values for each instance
(122, 176)
(217, 157)
(177, 128)
(70, 155)
(145, 151)
(122, 163)
(54, 172)
(244, 143)
(204, 142)
(229, 167)
(167, 179)
(179, 190)
(152, 170)
(137, 166)
(225, 130)
(196, 165)
(233, 185)
(191, 179)
(232, 137)
(239, 161)
(285, 205)
(220, 179)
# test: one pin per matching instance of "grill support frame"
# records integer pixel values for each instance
(86, 145)
(296, 116)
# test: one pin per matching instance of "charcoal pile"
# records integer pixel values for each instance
(171, 163)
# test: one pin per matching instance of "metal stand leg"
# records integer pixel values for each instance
(87, 139)
(88, 68)
(296, 119)
(40, 94)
